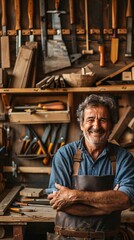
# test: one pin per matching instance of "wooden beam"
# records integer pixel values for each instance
(122, 124)
(5, 203)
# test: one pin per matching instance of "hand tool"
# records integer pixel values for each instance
(101, 40)
(115, 40)
(45, 136)
(36, 140)
(57, 57)
(129, 19)
(62, 136)
(30, 17)
(43, 25)
(87, 51)
(52, 142)
(17, 25)
(54, 106)
(25, 140)
(19, 210)
(73, 32)
(5, 50)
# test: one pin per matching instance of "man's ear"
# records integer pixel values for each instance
(81, 127)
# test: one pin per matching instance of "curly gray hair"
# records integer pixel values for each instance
(97, 100)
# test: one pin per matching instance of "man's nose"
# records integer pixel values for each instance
(96, 124)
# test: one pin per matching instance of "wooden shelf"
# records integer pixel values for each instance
(102, 88)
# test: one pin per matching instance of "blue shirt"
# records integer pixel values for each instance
(62, 167)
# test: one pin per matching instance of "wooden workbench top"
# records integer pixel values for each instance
(47, 214)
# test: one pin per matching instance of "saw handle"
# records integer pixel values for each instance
(114, 14)
(30, 13)
(4, 19)
(129, 8)
(17, 12)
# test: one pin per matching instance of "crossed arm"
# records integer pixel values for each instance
(85, 203)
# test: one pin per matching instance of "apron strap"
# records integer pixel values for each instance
(78, 157)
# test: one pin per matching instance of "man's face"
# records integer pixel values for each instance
(96, 126)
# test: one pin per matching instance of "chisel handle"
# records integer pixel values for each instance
(129, 8)
(57, 3)
(30, 13)
(102, 55)
(71, 11)
(114, 14)
(4, 19)
(17, 13)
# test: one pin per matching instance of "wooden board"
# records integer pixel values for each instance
(112, 75)
(122, 124)
(31, 192)
(22, 67)
(5, 52)
(4, 204)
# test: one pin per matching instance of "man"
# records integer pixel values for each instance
(92, 180)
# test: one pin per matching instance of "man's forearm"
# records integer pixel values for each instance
(114, 200)
(84, 210)
(105, 200)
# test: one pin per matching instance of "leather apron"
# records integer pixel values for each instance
(75, 226)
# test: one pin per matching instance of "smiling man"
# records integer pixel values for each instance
(92, 180)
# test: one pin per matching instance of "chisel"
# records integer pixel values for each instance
(17, 25)
(101, 40)
(115, 40)
(5, 51)
(129, 20)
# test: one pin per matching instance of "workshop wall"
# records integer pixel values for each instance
(100, 33)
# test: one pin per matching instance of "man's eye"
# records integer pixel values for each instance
(104, 120)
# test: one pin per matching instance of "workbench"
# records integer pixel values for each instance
(39, 214)
(43, 214)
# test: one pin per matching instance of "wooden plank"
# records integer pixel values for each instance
(4, 204)
(31, 192)
(112, 75)
(122, 124)
(22, 67)
(40, 117)
(25, 169)
(5, 52)
(33, 72)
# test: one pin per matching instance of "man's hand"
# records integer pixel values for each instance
(62, 198)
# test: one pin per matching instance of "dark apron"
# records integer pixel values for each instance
(88, 227)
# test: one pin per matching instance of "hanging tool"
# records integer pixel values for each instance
(43, 25)
(115, 40)
(101, 40)
(30, 17)
(129, 19)
(17, 26)
(73, 31)
(5, 50)
(25, 140)
(45, 136)
(87, 51)
(62, 136)
(52, 143)
(57, 57)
